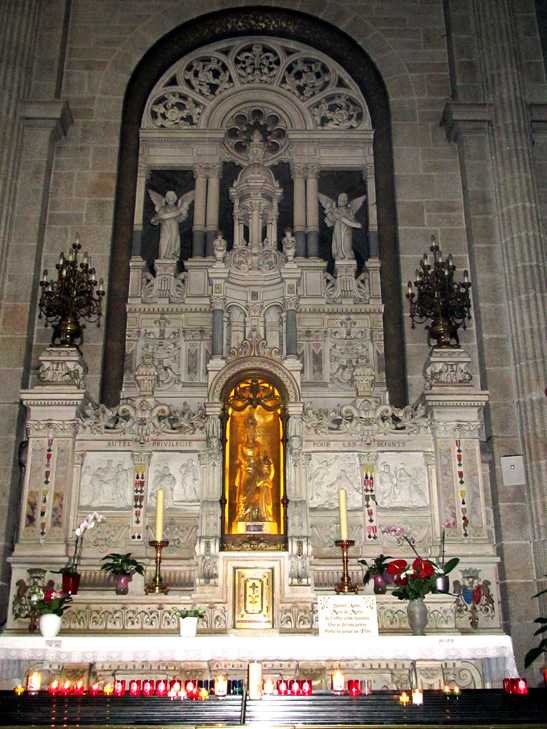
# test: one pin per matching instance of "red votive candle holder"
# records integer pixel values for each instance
(53, 687)
(94, 689)
(161, 688)
(295, 688)
(134, 688)
(119, 688)
(148, 688)
(175, 686)
(190, 686)
(353, 687)
(282, 688)
(306, 687)
(79, 689)
(521, 686)
(66, 688)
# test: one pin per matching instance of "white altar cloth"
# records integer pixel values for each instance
(496, 650)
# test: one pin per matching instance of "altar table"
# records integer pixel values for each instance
(495, 650)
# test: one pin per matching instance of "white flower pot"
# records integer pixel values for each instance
(188, 627)
(50, 625)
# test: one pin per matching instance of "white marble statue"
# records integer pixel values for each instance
(169, 213)
(341, 217)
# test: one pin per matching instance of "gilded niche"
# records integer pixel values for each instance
(254, 461)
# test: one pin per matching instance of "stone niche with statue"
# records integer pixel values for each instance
(254, 389)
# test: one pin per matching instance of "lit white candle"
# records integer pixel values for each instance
(159, 516)
(343, 507)
(255, 680)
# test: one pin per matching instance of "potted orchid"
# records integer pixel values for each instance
(413, 581)
(71, 576)
(50, 607)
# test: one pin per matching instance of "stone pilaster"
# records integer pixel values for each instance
(523, 251)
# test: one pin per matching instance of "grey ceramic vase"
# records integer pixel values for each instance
(417, 615)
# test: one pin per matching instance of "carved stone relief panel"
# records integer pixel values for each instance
(401, 481)
(106, 481)
(328, 473)
(179, 475)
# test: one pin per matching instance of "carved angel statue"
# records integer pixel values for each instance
(169, 213)
(342, 217)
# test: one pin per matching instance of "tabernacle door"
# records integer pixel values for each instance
(253, 468)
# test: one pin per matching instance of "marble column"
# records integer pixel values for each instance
(198, 228)
(312, 210)
(291, 334)
(299, 209)
(522, 245)
(211, 224)
(217, 304)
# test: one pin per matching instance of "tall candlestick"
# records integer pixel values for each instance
(343, 504)
(159, 515)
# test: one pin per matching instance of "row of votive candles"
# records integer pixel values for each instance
(163, 687)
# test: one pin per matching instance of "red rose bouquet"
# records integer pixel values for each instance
(417, 579)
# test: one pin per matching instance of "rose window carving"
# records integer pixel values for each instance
(175, 109)
(337, 111)
(208, 76)
(270, 125)
(312, 90)
(257, 64)
(306, 77)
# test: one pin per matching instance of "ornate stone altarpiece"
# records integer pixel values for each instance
(257, 308)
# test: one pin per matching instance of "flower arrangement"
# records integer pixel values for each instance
(54, 602)
(415, 581)
(189, 612)
(71, 568)
(376, 567)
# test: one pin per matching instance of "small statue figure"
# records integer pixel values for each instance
(219, 247)
(342, 217)
(169, 213)
(289, 244)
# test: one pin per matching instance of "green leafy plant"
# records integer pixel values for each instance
(376, 567)
(53, 602)
(534, 653)
(122, 565)
(191, 612)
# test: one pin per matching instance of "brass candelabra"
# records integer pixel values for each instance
(439, 298)
(157, 586)
(345, 585)
(72, 297)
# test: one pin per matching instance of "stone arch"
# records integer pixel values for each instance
(232, 23)
(246, 367)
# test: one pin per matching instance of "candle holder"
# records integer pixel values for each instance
(345, 585)
(157, 585)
